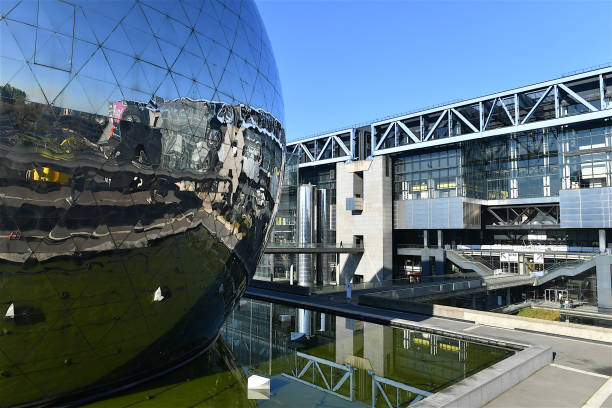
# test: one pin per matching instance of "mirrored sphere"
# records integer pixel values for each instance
(141, 153)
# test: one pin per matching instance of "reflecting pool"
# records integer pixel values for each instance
(313, 359)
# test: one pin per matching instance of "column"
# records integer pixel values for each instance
(424, 238)
(306, 231)
(602, 240)
(440, 239)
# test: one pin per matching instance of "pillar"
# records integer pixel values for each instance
(440, 239)
(602, 241)
(425, 239)
(345, 331)
(306, 231)
(377, 345)
(603, 265)
(425, 267)
(303, 321)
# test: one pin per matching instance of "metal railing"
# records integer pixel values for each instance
(314, 374)
(332, 245)
(376, 387)
(388, 283)
(328, 386)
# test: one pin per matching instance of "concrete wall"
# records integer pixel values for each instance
(604, 283)
(374, 222)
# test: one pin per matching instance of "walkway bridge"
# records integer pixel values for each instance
(333, 248)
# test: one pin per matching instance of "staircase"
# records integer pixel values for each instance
(467, 263)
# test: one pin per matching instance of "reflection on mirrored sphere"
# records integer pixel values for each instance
(141, 153)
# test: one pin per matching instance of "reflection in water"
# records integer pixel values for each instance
(332, 364)
(211, 380)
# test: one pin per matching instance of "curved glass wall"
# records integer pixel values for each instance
(141, 153)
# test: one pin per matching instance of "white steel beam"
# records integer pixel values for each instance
(480, 116)
(517, 110)
(341, 144)
(435, 125)
(578, 98)
(305, 149)
(396, 135)
(523, 89)
(422, 127)
(384, 136)
(486, 124)
(536, 105)
(321, 136)
(325, 161)
(372, 139)
(507, 112)
(324, 147)
(557, 106)
(602, 91)
(464, 120)
(502, 131)
(409, 132)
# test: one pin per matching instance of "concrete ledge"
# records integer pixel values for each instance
(580, 331)
(482, 387)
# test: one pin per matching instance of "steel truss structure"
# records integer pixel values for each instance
(528, 217)
(328, 148)
(571, 99)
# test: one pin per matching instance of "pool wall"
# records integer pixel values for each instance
(483, 386)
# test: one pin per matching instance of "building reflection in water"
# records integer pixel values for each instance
(334, 362)
(342, 356)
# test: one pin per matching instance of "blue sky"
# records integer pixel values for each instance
(347, 62)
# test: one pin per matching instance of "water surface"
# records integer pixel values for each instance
(313, 359)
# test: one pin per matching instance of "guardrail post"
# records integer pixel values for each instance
(352, 391)
(373, 388)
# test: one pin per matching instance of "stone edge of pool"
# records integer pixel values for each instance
(483, 386)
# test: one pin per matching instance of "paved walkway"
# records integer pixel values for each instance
(580, 367)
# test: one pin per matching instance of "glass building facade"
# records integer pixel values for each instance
(586, 156)
(499, 168)
(284, 232)
(527, 165)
